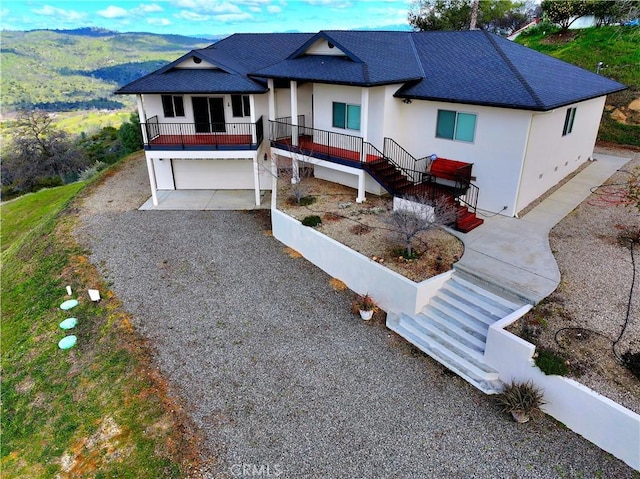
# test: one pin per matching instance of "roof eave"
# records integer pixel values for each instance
(512, 106)
(192, 92)
(334, 82)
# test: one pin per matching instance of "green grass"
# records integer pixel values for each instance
(550, 362)
(617, 48)
(21, 217)
(90, 121)
(615, 132)
(56, 403)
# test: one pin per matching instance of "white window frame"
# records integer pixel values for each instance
(455, 125)
(569, 119)
(173, 105)
(346, 115)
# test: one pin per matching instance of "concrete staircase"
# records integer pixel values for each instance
(453, 327)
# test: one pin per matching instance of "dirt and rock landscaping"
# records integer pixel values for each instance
(593, 308)
(365, 227)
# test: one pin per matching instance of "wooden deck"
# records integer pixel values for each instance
(203, 139)
(307, 146)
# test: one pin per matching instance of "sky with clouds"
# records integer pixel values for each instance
(198, 17)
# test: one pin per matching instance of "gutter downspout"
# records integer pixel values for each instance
(524, 159)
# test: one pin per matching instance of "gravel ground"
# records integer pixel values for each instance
(278, 374)
(596, 278)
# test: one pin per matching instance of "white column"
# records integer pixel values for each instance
(143, 118)
(272, 99)
(274, 181)
(152, 181)
(294, 112)
(256, 179)
(364, 119)
(252, 107)
(361, 192)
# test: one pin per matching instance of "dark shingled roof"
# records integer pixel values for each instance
(194, 81)
(473, 67)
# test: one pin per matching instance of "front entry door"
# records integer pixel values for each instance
(208, 114)
(216, 110)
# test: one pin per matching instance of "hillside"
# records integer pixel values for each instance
(617, 47)
(79, 69)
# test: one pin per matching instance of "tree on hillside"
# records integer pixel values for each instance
(611, 11)
(130, 135)
(566, 12)
(39, 154)
(457, 14)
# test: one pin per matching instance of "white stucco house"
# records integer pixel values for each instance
(372, 110)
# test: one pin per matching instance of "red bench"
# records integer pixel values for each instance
(450, 169)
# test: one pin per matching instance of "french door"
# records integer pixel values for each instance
(208, 114)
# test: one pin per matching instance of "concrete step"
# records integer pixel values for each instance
(473, 328)
(504, 303)
(456, 357)
(475, 341)
(469, 276)
(472, 320)
(471, 304)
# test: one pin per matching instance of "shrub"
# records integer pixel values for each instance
(364, 302)
(632, 362)
(312, 221)
(307, 200)
(404, 253)
(521, 399)
(88, 173)
(542, 28)
(550, 362)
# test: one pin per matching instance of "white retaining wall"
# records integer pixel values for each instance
(392, 291)
(597, 418)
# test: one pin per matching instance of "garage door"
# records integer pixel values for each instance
(213, 174)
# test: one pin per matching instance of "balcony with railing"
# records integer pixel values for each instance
(202, 136)
(340, 148)
(427, 179)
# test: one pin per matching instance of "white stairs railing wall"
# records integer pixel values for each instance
(452, 328)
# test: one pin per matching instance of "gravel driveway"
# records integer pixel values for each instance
(282, 380)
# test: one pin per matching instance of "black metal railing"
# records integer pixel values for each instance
(404, 160)
(470, 197)
(322, 144)
(409, 175)
(217, 136)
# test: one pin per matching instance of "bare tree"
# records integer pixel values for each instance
(415, 215)
(39, 153)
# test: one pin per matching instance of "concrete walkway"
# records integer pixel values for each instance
(514, 254)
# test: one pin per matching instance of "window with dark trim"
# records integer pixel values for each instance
(346, 116)
(172, 105)
(240, 105)
(568, 121)
(453, 125)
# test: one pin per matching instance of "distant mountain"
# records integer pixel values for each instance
(81, 68)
